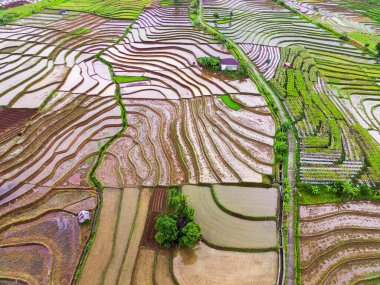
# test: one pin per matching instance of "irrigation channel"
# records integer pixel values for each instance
(256, 76)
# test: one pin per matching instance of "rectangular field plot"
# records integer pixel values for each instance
(247, 201)
(340, 242)
(190, 141)
(204, 265)
(224, 230)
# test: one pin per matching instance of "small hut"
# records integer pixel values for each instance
(287, 65)
(63, 12)
(229, 64)
(83, 216)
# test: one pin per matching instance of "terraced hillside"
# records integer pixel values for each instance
(61, 102)
(195, 139)
(180, 131)
(339, 243)
(321, 97)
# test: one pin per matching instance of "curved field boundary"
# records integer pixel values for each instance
(239, 215)
(227, 231)
(92, 174)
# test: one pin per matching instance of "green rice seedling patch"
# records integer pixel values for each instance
(82, 31)
(230, 103)
(127, 79)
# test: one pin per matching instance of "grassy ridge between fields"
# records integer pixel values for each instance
(92, 174)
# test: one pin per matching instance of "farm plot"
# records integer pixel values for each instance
(191, 141)
(323, 81)
(247, 201)
(339, 242)
(205, 265)
(115, 249)
(224, 230)
(119, 9)
(13, 121)
(45, 233)
(54, 142)
(43, 51)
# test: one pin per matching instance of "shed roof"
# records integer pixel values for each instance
(229, 61)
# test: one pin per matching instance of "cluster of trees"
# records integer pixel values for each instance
(344, 189)
(210, 63)
(177, 226)
(281, 141)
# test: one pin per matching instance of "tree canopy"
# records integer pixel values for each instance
(177, 226)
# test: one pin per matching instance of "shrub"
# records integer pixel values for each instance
(167, 231)
(178, 226)
(189, 235)
(210, 63)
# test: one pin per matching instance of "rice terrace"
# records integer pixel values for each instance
(189, 142)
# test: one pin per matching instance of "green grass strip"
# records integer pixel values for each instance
(125, 79)
(230, 103)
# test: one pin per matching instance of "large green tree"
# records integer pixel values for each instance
(167, 231)
(177, 226)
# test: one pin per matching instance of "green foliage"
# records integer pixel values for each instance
(125, 79)
(280, 148)
(81, 31)
(286, 195)
(189, 235)
(177, 227)
(167, 231)
(15, 13)
(315, 190)
(281, 136)
(188, 213)
(210, 63)
(230, 103)
(350, 190)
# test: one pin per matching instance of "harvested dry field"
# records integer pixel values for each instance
(340, 242)
(204, 265)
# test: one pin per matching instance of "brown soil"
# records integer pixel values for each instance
(149, 232)
(157, 205)
(159, 199)
(12, 121)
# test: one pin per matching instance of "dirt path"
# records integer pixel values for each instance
(290, 261)
(281, 114)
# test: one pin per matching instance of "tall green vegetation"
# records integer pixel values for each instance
(210, 63)
(281, 141)
(177, 226)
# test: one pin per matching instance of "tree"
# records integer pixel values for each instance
(378, 50)
(281, 136)
(188, 214)
(177, 227)
(216, 15)
(189, 234)
(285, 126)
(176, 199)
(231, 14)
(167, 231)
(280, 147)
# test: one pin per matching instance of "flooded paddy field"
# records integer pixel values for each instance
(339, 242)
